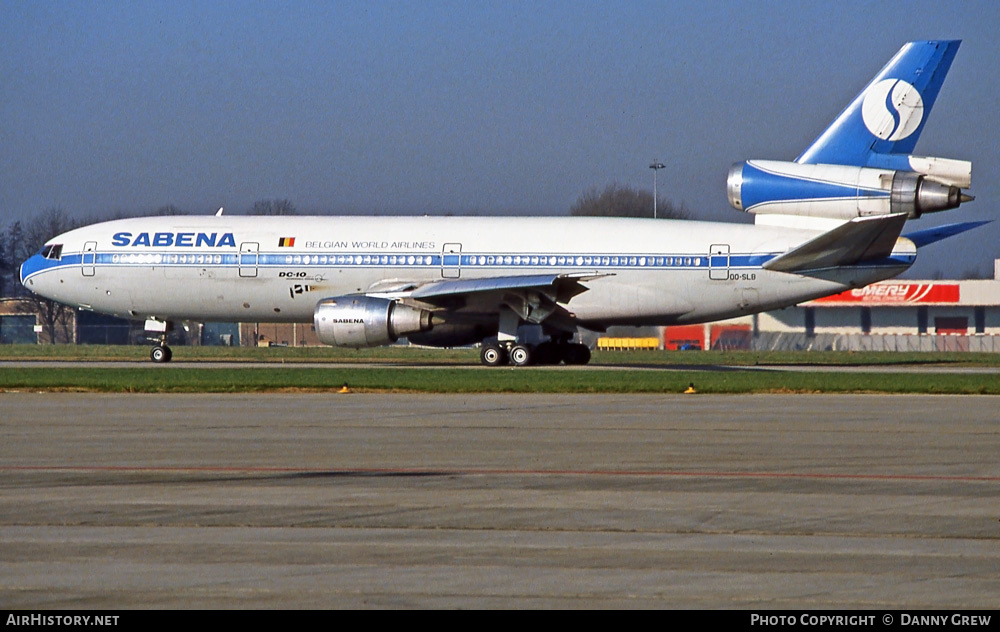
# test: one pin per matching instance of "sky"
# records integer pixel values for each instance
(504, 108)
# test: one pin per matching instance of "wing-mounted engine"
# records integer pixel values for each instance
(366, 321)
(844, 192)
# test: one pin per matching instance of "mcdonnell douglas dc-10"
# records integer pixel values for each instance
(829, 221)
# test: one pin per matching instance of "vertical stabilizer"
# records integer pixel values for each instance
(889, 114)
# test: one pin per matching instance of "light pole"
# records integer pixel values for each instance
(656, 166)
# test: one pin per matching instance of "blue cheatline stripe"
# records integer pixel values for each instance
(37, 264)
(468, 261)
(408, 260)
(471, 261)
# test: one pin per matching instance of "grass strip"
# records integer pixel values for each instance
(417, 355)
(168, 379)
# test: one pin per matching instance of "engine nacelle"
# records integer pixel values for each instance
(364, 321)
(843, 192)
(452, 335)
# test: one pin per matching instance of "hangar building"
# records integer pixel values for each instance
(896, 315)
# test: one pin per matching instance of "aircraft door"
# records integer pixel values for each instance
(89, 258)
(451, 261)
(248, 259)
(718, 262)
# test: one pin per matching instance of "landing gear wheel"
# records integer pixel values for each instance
(161, 354)
(493, 355)
(547, 353)
(576, 354)
(521, 355)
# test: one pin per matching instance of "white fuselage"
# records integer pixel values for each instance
(240, 268)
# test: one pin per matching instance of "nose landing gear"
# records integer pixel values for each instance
(161, 353)
(157, 330)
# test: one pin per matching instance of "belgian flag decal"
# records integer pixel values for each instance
(286, 242)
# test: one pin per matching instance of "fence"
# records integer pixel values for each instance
(880, 342)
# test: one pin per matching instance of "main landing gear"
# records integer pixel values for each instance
(511, 346)
(521, 354)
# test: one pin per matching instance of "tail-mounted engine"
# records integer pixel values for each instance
(845, 192)
(364, 321)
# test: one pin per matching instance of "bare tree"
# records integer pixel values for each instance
(624, 201)
(5, 265)
(14, 252)
(21, 241)
(273, 207)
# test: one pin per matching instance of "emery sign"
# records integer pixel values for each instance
(896, 293)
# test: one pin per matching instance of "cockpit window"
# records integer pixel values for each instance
(52, 251)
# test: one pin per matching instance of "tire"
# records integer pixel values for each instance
(521, 355)
(493, 355)
(547, 353)
(576, 354)
(160, 354)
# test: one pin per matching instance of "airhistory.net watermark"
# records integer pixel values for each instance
(61, 619)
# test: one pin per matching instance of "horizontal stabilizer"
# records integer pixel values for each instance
(931, 235)
(860, 239)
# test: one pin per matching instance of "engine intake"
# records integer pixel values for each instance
(364, 321)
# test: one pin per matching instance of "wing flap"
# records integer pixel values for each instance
(534, 298)
(566, 285)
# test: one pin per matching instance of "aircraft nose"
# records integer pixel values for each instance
(31, 266)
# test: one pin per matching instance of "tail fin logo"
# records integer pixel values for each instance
(892, 109)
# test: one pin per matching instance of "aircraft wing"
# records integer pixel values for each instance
(861, 239)
(565, 286)
(533, 297)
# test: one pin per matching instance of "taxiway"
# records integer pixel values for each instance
(498, 501)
